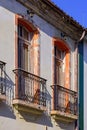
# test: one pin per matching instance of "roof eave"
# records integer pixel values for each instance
(56, 17)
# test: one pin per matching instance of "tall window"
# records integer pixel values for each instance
(59, 66)
(24, 45)
(61, 75)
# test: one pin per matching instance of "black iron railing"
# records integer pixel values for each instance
(65, 100)
(31, 88)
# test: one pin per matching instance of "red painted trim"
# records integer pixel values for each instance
(61, 44)
(28, 25)
(25, 24)
(16, 55)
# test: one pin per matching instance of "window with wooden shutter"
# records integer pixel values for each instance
(59, 66)
(24, 43)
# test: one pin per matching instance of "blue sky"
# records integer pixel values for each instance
(75, 8)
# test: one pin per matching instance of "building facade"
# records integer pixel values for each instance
(38, 66)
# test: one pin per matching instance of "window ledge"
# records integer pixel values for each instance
(24, 106)
(61, 116)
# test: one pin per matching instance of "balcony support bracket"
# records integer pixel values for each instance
(64, 117)
(31, 108)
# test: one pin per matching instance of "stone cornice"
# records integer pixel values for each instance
(56, 17)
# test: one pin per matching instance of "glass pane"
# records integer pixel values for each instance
(25, 34)
(19, 30)
(26, 58)
(59, 64)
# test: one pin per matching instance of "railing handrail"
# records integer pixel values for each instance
(63, 88)
(32, 87)
(29, 73)
(65, 100)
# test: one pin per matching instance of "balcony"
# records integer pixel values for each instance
(65, 104)
(2, 81)
(30, 92)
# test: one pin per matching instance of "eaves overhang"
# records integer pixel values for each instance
(47, 10)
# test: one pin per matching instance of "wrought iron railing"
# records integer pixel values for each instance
(31, 88)
(65, 100)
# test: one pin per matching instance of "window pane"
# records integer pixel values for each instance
(23, 48)
(59, 63)
(25, 34)
(26, 57)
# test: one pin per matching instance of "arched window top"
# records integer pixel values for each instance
(26, 29)
(61, 45)
(28, 25)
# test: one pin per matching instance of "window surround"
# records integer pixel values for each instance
(63, 46)
(29, 85)
(19, 20)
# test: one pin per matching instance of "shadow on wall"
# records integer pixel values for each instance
(5, 107)
(6, 111)
(9, 90)
(66, 126)
(43, 119)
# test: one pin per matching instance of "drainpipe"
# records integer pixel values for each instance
(76, 49)
(82, 37)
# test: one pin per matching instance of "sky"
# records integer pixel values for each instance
(74, 8)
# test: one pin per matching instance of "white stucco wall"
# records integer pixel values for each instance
(8, 120)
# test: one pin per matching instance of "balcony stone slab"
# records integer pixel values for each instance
(62, 116)
(31, 108)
